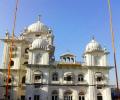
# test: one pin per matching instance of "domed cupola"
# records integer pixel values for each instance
(37, 27)
(40, 44)
(93, 46)
(94, 54)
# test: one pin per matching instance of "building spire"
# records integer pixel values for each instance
(7, 33)
(39, 17)
(93, 37)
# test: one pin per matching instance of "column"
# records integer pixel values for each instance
(61, 95)
(6, 55)
(107, 94)
(92, 93)
(75, 95)
(92, 88)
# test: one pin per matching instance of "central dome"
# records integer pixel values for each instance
(38, 27)
(93, 46)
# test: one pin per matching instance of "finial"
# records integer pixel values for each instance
(93, 38)
(7, 33)
(104, 47)
(68, 51)
(39, 17)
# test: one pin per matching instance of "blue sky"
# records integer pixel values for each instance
(74, 22)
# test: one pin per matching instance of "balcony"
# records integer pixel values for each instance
(101, 83)
(68, 82)
(55, 82)
(38, 81)
(82, 83)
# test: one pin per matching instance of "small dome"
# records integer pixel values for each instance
(38, 27)
(93, 46)
(40, 43)
(67, 54)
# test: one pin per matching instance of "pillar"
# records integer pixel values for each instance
(61, 95)
(107, 94)
(92, 87)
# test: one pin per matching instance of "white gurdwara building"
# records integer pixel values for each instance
(35, 75)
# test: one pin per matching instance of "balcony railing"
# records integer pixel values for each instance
(55, 82)
(68, 82)
(101, 82)
(82, 82)
(38, 81)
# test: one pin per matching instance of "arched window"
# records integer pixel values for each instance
(23, 80)
(36, 97)
(10, 80)
(97, 60)
(68, 76)
(99, 96)
(38, 58)
(68, 59)
(26, 62)
(29, 98)
(81, 96)
(72, 59)
(38, 75)
(68, 95)
(37, 35)
(55, 95)
(64, 59)
(98, 76)
(80, 77)
(26, 50)
(84, 58)
(99, 79)
(55, 76)
(11, 63)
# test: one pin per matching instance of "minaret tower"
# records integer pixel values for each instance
(41, 52)
(95, 55)
(95, 58)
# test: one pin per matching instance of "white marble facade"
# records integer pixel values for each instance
(36, 75)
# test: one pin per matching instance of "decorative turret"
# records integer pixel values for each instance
(68, 58)
(94, 54)
(42, 48)
(38, 28)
